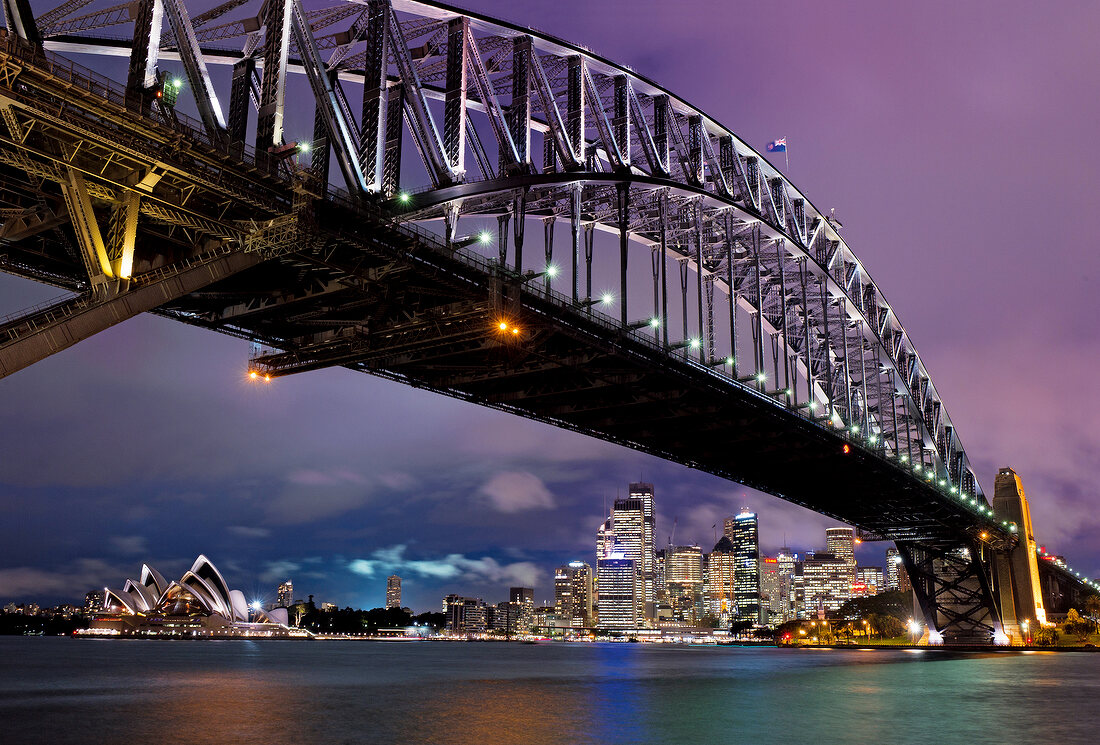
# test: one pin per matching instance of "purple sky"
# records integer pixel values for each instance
(956, 142)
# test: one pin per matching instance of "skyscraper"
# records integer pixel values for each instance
(285, 594)
(605, 537)
(524, 600)
(893, 568)
(841, 543)
(825, 578)
(787, 560)
(620, 586)
(393, 591)
(630, 529)
(684, 578)
(869, 580)
(771, 589)
(721, 586)
(644, 492)
(743, 533)
(573, 594)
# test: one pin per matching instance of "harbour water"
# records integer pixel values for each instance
(57, 690)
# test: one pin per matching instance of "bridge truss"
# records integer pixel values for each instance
(740, 333)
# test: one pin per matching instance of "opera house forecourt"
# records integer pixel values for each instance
(199, 605)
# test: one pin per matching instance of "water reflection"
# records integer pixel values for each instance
(59, 690)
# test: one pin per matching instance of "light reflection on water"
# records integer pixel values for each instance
(112, 691)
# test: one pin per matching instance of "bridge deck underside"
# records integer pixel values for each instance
(379, 305)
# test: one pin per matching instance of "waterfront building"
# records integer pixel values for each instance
(743, 532)
(721, 591)
(285, 594)
(393, 591)
(199, 604)
(573, 594)
(684, 578)
(524, 599)
(465, 615)
(826, 584)
(621, 601)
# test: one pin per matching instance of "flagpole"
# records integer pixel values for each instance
(786, 158)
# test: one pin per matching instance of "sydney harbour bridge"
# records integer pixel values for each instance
(565, 240)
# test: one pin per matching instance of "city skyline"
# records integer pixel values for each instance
(313, 472)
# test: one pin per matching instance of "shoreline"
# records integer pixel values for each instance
(950, 649)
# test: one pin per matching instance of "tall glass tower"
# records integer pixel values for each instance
(644, 493)
(744, 535)
(630, 528)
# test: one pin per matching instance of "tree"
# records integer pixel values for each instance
(886, 626)
(1092, 606)
(1046, 636)
(1079, 627)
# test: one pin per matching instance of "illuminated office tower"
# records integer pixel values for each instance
(841, 543)
(619, 582)
(605, 537)
(393, 591)
(684, 578)
(868, 581)
(771, 590)
(787, 561)
(524, 600)
(825, 578)
(573, 594)
(743, 533)
(644, 492)
(660, 588)
(721, 586)
(285, 594)
(893, 568)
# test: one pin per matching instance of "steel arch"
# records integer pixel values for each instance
(626, 145)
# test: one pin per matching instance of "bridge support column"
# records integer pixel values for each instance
(951, 582)
(1018, 587)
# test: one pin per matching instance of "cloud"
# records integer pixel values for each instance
(517, 491)
(314, 495)
(336, 477)
(484, 570)
(277, 571)
(247, 531)
(129, 545)
(72, 581)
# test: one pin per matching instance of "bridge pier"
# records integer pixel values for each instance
(953, 589)
(1018, 587)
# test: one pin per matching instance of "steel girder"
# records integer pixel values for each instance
(954, 589)
(842, 341)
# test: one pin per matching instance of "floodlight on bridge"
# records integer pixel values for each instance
(483, 237)
(404, 197)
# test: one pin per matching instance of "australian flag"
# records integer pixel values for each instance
(778, 146)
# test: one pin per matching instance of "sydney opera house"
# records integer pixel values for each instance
(198, 605)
